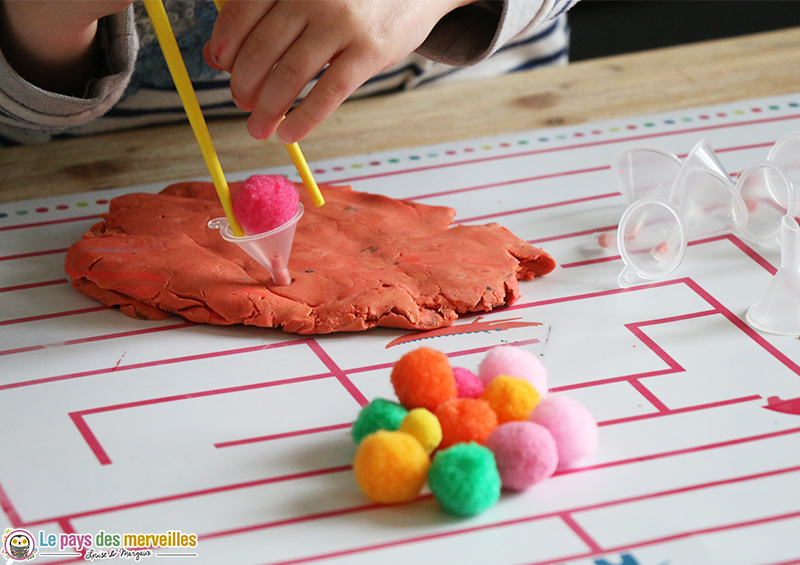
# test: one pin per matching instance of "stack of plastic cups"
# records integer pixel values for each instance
(778, 311)
(674, 202)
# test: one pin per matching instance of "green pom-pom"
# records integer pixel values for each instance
(380, 414)
(464, 479)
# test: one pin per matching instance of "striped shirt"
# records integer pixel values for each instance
(487, 38)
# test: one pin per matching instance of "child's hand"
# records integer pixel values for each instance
(274, 48)
(50, 43)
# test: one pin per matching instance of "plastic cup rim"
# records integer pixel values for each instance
(227, 234)
(629, 259)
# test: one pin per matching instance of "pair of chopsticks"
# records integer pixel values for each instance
(177, 68)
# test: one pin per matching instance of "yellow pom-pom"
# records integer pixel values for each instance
(391, 467)
(511, 398)
(423, 425)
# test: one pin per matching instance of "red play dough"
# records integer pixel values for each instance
(360, 261)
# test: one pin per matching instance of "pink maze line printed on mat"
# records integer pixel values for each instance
(103, 337)
(53, 315)
(32, 285)
(79, 417)
(32, 254)
(746, 249)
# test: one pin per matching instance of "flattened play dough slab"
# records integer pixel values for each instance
(360, 261)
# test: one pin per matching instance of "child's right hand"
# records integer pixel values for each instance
(274, 48)
(50, 43)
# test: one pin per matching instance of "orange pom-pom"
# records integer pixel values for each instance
(423, 378)
(511, 398)
(391, 467)
(465, 420)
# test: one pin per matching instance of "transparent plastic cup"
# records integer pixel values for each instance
(768, 194)
(643, 172)
(701, 157)
(710, 204)
(271, 249)
(786, 154)
(778, 311)
(652, 240)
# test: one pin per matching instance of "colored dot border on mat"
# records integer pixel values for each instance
(49, 209)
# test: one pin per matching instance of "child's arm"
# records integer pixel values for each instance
(51, 43)
(274, 48)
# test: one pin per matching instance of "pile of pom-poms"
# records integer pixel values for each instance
(468, 436)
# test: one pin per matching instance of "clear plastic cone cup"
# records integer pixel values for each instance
(778, 311)
(271, 249)
(701, 157)
(786, 154)
(643, 172)
(710, 204)
(651, 239)
(768, 195)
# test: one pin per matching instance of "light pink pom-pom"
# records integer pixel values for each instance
(525, 453)
(468, 384)
(572, 426)
(514, 362)
(265, 202)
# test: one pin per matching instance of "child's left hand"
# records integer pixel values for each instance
(274, 48)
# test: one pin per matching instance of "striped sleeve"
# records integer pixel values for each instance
(477, 31)
(29, 114)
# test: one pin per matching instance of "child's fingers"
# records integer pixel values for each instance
(340, 80)
(210, 60)
(261, 54)
(290, 75)
(235, 22)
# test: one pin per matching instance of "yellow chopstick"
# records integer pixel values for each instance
(305, 173)
(297, 158)
(177, 68)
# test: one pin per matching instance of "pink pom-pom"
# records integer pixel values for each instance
(525, 452)
(571, 424)
(468, 384)
(265, 202)
(514, 362)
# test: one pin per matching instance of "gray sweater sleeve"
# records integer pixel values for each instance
(29, 109)
(469, 35)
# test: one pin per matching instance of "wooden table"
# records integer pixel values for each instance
(667, 79)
